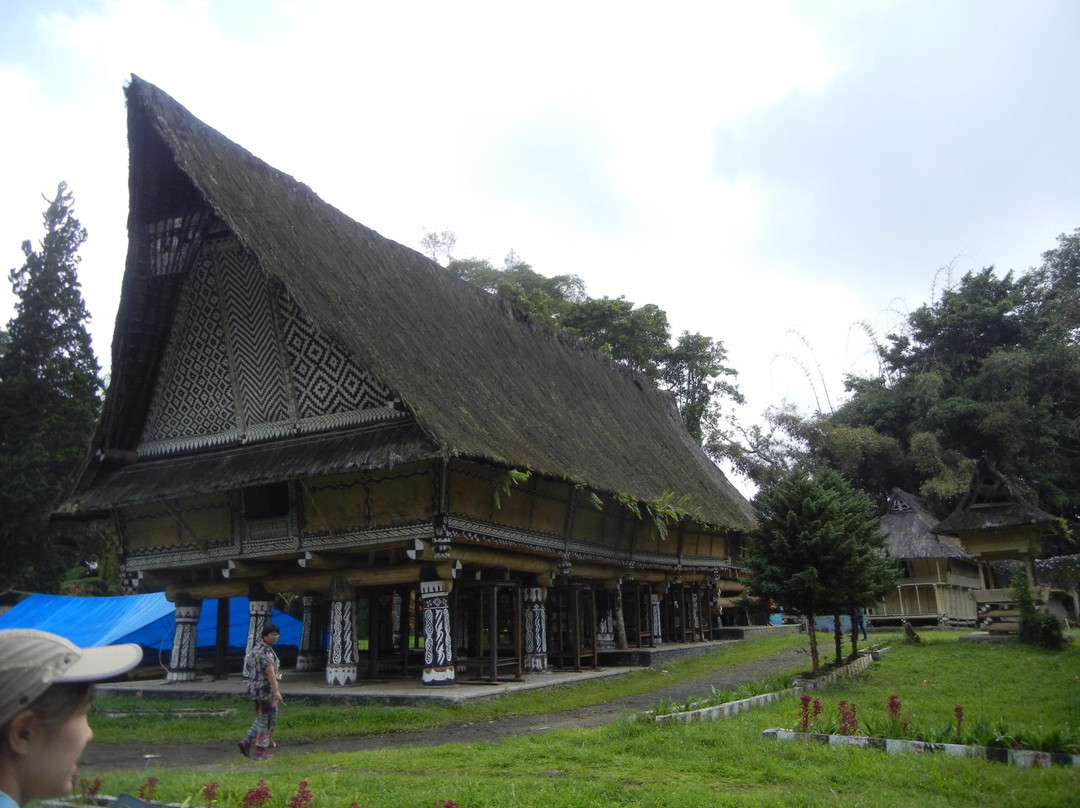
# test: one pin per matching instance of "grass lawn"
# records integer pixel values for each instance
(715, 764)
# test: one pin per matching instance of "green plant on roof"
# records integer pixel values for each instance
(507, 480)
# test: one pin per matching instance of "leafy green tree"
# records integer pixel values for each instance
(546, 299)
(49, 400)
(439, 245)
(637, 336)
(695, 371)
(812, 549)
(991, 367)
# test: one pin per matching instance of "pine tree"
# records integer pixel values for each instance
(813, 549)
(49, 401)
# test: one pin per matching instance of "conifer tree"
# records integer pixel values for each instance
(49, 401)
(812, 549)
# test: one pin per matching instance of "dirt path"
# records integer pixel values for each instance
(102, 757)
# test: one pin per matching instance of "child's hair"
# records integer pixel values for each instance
(55, 705)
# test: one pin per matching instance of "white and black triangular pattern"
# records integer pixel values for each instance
(327, 379)
(260, 374)
(244, 364)
(194, 395)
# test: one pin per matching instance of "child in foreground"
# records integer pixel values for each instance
(45, 692)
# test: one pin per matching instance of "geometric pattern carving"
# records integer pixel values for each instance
(260, 376)
(182, 660)
(438, 644)
(193, 394)
(341, 662)
(244, 364)
(328, 380)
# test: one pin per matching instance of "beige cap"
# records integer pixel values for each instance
(31, 661)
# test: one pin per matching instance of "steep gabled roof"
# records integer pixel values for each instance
(482, 379)
(909, 527)
(992, 503)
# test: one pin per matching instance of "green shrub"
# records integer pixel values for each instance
(1045, 631)
(1036, 628)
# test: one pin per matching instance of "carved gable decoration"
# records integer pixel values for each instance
(244, 364)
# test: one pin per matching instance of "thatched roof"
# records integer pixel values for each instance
(482, 379)
(992, 503)
(909, 526)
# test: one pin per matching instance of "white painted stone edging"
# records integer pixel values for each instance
(1024, 758)
(856, 666)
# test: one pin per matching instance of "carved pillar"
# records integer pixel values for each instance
(695, 614)
(654, 619)
(438, 646)
(535, 630)
(605, 630)
(260, 610)
(182, 659)
(342, 658)
(395, 621)
(312, 656)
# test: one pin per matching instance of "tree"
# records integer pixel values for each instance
(812, 549)
(695, 371)
(546, 299)
(439, 245)
(49, 400)
(636, 336)
(991, 367)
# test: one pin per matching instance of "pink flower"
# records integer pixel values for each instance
(148, 790)
(894, 706)
(256, 797)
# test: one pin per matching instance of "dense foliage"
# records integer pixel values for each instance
(991, 367)
(817, 548)
(49, 399)
(639, 337)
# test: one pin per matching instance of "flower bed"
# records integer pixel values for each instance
(1024, 758)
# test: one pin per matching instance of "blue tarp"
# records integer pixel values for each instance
(147, 620)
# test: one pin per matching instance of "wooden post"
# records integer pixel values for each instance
(620, 621)
(535, 630)
(221, 640)
(341, 663)
(312, 656)
(654, 616)
(182, 659)
(438, 645)
(260, 610)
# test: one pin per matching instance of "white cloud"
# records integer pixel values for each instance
(754, 168)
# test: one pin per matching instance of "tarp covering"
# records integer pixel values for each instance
(147, 620)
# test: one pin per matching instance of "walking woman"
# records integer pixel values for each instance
(45, 692)
(263, 671)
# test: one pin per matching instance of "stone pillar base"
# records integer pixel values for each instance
(341, 675)
(306, 663)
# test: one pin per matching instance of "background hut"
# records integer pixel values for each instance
(995, 523)
(938, 575)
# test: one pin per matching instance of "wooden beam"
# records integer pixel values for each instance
(494, 558)
(326, 561)
(207, 590)
(237, 569)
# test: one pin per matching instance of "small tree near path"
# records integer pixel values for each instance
(813, 549)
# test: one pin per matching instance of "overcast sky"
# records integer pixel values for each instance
(770, 174)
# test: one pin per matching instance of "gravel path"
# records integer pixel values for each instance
(100, 758)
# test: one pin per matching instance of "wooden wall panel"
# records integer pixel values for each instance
(341, 500)
(197, 521)
(401, 498)
(470, 496)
